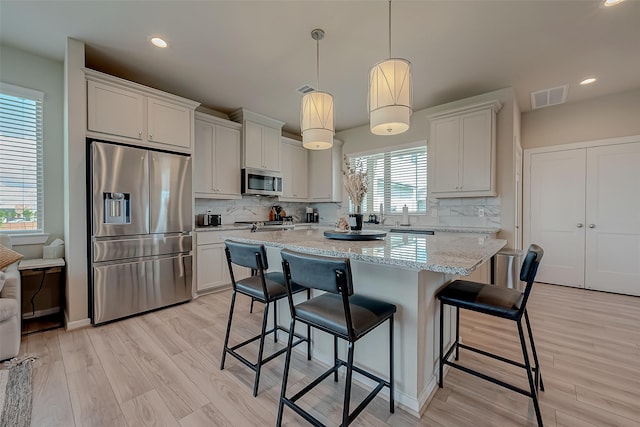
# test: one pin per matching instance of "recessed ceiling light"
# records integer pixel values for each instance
(609, 3)
(588, 81)
(157, 41)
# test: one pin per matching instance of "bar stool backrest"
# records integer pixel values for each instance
(327, 274)
(248, 255)
(529, 269)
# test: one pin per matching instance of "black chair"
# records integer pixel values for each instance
(262, 287)
(338, 312)
(499, 302)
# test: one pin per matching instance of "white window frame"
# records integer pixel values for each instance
(38, 96)
(369, 207)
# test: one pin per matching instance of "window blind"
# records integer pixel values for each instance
(21, 182)
(395, 178)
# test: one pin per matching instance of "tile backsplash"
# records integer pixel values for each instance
(464, 212)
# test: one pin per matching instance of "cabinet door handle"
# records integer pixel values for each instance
(150, 136)
(579, 225)
(139, 134)
(592, 226)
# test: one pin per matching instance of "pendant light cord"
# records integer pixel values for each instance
(318, 62)
(389, 28)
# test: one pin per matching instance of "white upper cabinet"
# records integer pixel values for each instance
(325, 174)
(295, 170)
(169, 123)
(115, 111)
(124, 111)
(260, 140)
(462, 151)
(216, 166)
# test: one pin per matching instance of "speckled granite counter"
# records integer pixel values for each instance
(404, 269)
(458, 255)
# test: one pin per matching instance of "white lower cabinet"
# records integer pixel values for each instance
(212, 271)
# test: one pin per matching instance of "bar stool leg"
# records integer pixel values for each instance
(308, 330)
(441, 362)
(226, 337)
(533, 350)
(260, 351)
(335, 357)
(457, 332)
(275, 321)
(391, 381)
(527, 364)
(287, 362)
(347, 386)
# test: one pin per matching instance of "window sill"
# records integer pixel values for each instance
(28, 239)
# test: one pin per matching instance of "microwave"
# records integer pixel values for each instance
(261, 183)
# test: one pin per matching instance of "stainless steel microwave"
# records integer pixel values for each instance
(261, 183)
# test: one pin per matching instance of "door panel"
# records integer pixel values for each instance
(128, 288)
(122, 171)
(556, 210)
(613, 206)
(169, 193)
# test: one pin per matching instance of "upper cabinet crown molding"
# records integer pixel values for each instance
(242, 114)
(495, 105)
(132, 113)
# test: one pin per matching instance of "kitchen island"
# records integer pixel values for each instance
(404, 269)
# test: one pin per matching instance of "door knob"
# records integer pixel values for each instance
(592, 226)
(580, 225)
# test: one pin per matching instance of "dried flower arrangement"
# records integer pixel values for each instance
(355, 182)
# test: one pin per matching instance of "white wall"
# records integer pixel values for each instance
(599, 118)
(461, 211)
(24, 69)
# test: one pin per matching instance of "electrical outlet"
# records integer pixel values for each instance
(480, 211)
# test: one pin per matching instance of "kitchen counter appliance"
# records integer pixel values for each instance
(261, 183)
(140, 220)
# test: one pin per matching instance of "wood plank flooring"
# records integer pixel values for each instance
(162, 369)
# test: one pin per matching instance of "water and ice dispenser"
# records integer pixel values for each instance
(117, 208)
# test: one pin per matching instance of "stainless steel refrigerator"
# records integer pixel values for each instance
(140, 215)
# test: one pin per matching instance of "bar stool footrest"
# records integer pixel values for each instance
(290, 402)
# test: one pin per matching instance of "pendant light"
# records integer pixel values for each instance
(390, 97)
(317, 116)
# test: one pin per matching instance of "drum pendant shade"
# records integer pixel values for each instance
(316, 121)
(316, 113)
(390, 94)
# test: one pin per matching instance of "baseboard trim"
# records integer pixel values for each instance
(76, 324)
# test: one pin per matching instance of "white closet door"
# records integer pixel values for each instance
(613, 219)
(556, 217)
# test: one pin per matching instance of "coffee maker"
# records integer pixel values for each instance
(277, 216)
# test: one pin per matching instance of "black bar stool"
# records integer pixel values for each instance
(262, 287)
(499, 302)
(338, 312)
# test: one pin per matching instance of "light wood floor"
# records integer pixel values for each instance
(163, 369)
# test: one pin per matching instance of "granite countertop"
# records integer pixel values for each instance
(459, 255)
(441, 228)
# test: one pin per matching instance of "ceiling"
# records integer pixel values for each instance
(255, 54)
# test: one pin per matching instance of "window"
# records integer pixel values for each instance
(396, 178)
(21, 195)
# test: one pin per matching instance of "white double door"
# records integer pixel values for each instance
(584, 210)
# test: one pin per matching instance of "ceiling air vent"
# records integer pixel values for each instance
(303, 90)
(549, 97)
